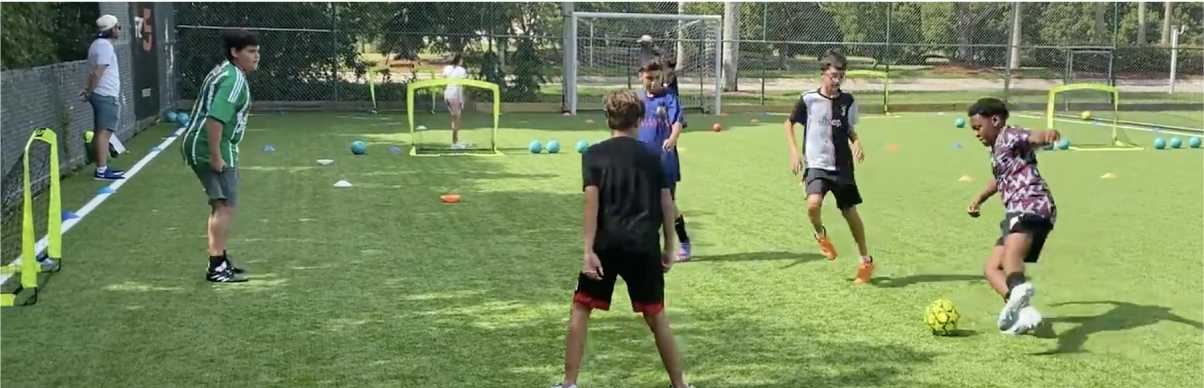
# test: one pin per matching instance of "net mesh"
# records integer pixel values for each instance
(1088, 118)
(39, 172)
(433, 134)
(609, 52)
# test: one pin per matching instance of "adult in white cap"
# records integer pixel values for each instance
(101, 91)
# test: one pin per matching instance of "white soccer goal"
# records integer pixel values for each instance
(606, 52)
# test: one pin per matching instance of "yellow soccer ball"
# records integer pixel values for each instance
(941, 317)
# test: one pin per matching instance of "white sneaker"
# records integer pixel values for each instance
(459, 146)
(1029, 319)
(1020, 297)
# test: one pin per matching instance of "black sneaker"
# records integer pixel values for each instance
(231, 266)
(224, 274)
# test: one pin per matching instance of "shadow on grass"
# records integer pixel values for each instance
(889, 282)
(761, 256)
(1122, 316)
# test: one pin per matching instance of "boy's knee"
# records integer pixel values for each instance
(652, 317)
(815, 203)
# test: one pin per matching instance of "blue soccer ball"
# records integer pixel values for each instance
(358, 147)
(1176, 142)
(535, 147)
(1064, 144)
(553, 146)
(1194, 142)
(583, 145)
(1159, 143)
(171, 116)
(960, 122)
(183, 119)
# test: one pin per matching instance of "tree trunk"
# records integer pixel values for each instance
(1101, 10)
(1166, 24)
(731, 44)
(965, 29)
(1140, 23)
(1014, 58)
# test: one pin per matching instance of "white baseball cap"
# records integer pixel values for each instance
(106, 22)
(645, 39)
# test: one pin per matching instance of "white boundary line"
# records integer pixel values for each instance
(101, 198)
(1104, 123)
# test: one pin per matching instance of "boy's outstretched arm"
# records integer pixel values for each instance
(855, 146)
(591, 267)
(1043, 138)
(975, 206)
(669, 215)
(675, 133)
(796, 157)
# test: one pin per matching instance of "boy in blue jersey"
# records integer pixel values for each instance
(659, 130)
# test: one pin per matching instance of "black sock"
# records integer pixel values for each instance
(680, 225)
(1012, 281)
(216, 261)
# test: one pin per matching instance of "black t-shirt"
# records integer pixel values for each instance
(629, 180)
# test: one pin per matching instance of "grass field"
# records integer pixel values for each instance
(382, 285)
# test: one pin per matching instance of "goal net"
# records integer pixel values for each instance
(607, 52)
(431, 131)
(1088, 115)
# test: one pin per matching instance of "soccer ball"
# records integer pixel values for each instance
(941, 316)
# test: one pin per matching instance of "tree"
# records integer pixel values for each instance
(731, 44)
(37, 34)
(528, 73)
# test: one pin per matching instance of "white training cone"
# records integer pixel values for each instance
(1108, 176)
(342, 183)
(325, 162)
(965, 178)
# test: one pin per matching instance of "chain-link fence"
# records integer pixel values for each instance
(933, 56)
(48, 97)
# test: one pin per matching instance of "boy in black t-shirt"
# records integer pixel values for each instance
(628, 207)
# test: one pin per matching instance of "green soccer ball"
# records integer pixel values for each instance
(960, 122)
(941, 317)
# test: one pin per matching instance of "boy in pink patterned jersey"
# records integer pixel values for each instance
(1029, 209)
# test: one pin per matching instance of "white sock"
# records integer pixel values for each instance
(102, 169)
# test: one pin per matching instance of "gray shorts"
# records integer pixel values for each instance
(105, 112)
(842, 186)
(219, 187)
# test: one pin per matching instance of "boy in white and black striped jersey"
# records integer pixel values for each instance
(830, 145)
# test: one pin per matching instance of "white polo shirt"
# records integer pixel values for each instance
(101, 53)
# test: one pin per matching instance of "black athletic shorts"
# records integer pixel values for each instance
(820, 181)
(642, 272)
(1036, 226)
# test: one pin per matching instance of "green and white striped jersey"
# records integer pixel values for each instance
(225, 96)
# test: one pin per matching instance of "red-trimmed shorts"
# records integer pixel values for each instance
(640, 270)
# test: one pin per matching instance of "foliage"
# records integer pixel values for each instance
(37, 34)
